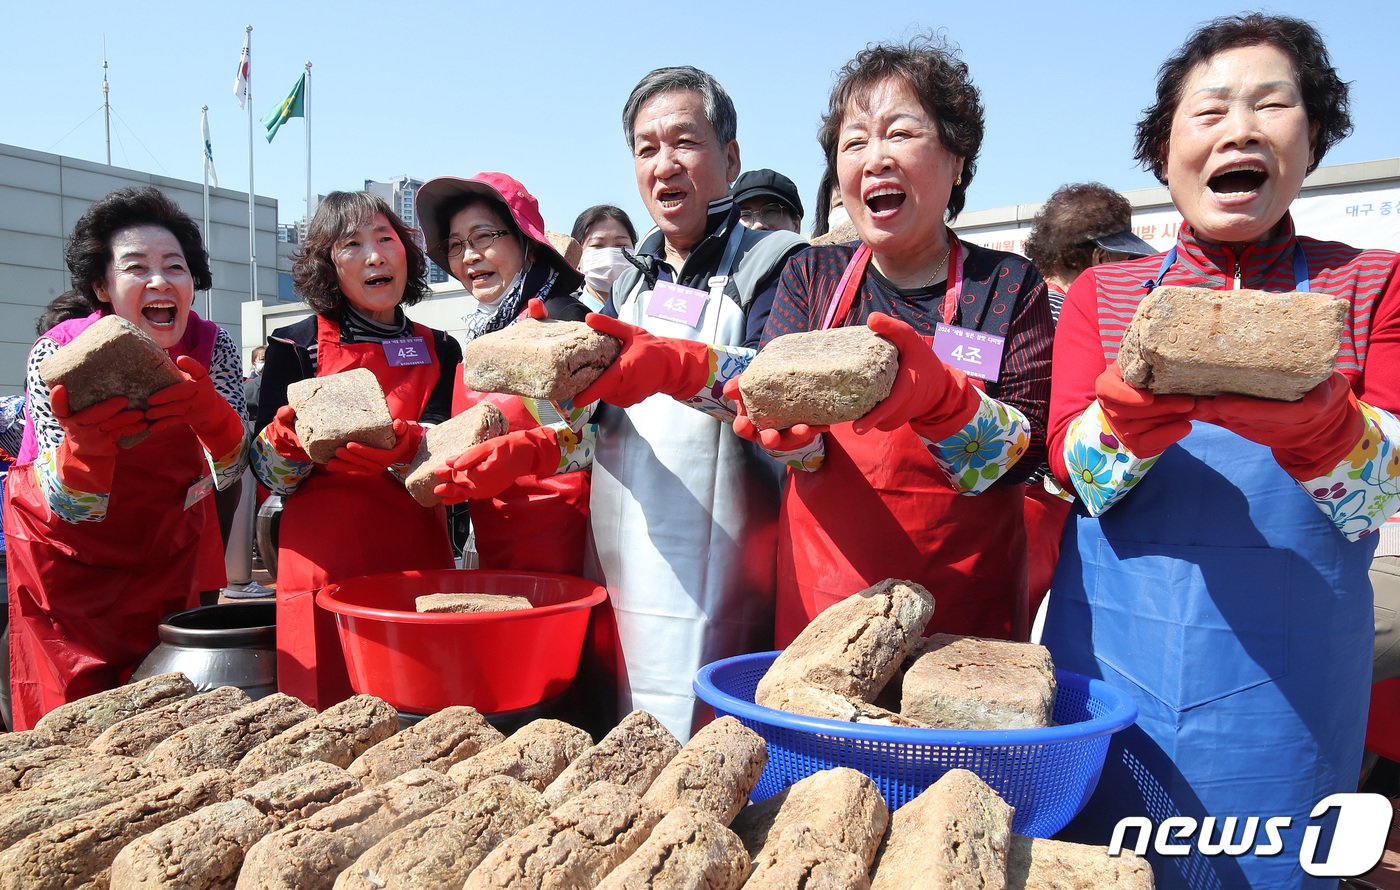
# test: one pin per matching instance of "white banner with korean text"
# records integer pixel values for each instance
(1365, 215)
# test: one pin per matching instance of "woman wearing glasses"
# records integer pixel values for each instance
(358, 268)
(488, 232)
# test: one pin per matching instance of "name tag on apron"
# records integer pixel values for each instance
(406, 351)
(975, 353)
(199, 491)
(675, 302)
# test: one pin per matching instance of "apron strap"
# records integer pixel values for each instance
(840, 305)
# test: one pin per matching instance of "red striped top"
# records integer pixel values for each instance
(1102, 301)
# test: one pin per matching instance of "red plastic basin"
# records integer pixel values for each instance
(494, 661)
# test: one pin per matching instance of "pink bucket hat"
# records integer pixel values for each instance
(506, 190)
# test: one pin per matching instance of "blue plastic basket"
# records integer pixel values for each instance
(1046, 774)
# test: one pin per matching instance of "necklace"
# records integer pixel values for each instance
(941, 263)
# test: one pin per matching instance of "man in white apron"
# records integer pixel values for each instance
(684, 512)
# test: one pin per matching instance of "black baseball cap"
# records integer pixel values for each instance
(768, 183)
(1125, 242)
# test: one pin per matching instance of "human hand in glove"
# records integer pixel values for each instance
(484, 471)
(934, 399)
(356, 457)
(1145, 422)
(195, 402)
(282, 435)
(87, 456)
(534, 308)
(647, 365)
(1309, 437)
(794, 438)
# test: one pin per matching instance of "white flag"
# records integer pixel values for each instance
(240, 82)
(209, 174)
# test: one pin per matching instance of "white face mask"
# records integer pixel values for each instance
(601, 266)
(257, 368)
(836, 217)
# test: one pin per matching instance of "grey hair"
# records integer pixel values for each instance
(719, 108)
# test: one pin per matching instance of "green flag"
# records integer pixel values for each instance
(292, 106)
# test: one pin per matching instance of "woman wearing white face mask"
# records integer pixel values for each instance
(604, 231)
(488, 232)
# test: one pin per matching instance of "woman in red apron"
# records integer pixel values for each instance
(889, 497)
(357, 268)
(529, 505)
(103, 541)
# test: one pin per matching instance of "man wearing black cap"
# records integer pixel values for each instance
(1081, 225)
(768, 200)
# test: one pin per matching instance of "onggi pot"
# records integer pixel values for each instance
(231, 644)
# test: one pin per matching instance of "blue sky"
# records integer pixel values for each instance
(536, 89)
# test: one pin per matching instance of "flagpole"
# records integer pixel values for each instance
(306, 110)
(252, 218)
(204, 163)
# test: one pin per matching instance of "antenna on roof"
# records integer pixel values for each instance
(106, 105)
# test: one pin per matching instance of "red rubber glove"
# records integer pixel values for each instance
(647, 365)
(934, 399)
(484, 471)
(796, 437)
(534, 308)
(87, 456)
(1144, 422)
(196, 403)
(282, 435)
(1309, 437)
(356, 457)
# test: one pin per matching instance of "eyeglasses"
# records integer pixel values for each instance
(477, 242)
(769, 214)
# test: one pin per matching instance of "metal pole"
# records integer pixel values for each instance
(106, 103)
(306, 109)
(204, 163)
(252, 219)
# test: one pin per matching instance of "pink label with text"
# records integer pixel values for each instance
(975, 353)
(675, 302)
(406, 351)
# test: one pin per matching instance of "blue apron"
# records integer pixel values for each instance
(1240, 619)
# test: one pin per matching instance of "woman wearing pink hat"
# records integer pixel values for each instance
(488, 232)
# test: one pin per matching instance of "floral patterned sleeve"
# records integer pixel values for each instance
(226, 370)
(1101, 469)
(69, 504)
(1362, 491)
(576, 446)
(281, 475)
(726, 363)
(985, 449)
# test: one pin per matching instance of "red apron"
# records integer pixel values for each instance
(536, 525)
(85, 597)
(879, 507)
(342, 525)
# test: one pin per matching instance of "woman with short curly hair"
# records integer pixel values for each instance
(103, 524)
(1080, 225)
(888, 495)
(358, 267)
(1216, 569)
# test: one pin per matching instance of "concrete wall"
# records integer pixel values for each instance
(41, 197)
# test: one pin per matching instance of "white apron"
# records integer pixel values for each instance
(684, 529)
